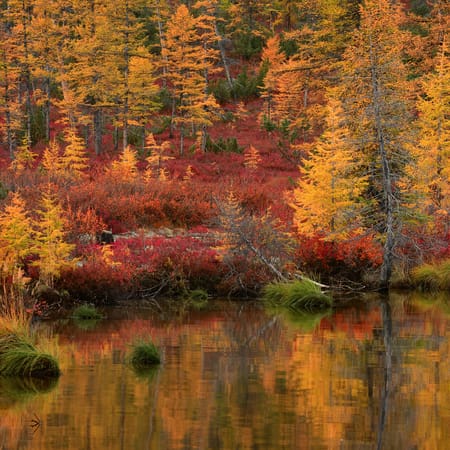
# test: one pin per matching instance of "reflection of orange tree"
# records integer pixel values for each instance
(320, 388)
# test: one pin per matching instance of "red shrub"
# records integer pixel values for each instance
(139, 265)
(350, 258)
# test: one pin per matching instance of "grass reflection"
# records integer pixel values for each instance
(14, 390)
(305, 321)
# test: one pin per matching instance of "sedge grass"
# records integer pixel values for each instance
(444, 275)
(426, 277)
(144, 354)
(10, 341)
(432, 277)
(25, 362)
(298, 295)
(14, 316)
(18, 354)
(86, 312)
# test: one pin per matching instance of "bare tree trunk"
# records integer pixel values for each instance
(8, 121)
(387, 181)
(126, 74)
(26, 72)
(204, 139)
(387, 337)
(98, 116)
(47, 106)
(163, 45)
(116, 138)
(223, 56)
(172, 117)
(181, 140)
(66, 92)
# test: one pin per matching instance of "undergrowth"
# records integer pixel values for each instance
(144, 354)
(297, 295)
(432, 277)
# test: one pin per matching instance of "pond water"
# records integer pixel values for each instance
(375, 375)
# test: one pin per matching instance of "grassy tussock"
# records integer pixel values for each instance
(444, 270)
(86, 312)
(432, 277)
(19, 357)
(10, 341)
(144, 354)
(18, 354)
(26, 362)
(297, 295)
(14, 317)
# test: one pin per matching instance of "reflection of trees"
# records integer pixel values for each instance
(387, 338)
(238, 378)
(250, 329)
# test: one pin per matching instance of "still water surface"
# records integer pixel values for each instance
(371, 376)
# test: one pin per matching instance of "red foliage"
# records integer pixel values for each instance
(139, 265)
(350, 258)
(128, 206)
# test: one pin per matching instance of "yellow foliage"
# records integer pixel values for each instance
(51, 159)
(432, 170)
(189, 173)
(50, 246)
(74, 160)
(158, 156)
(252, 158)
(326, 200)
(126, 166)
(24, 157)
(16, 234)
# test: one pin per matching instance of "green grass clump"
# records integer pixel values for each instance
(297, 295)
(10, 341)
(144, 354)
(444, 273)
(198, 298)
(19, 357)
(426, 277)
(432, 277)
(25, 362)
(86, 312)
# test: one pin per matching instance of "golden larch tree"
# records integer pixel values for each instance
(51, 248)
(16, 235)
(125, 168)
(187, 62)
(74, 160)
(252, 158)
(433, 149)
(377, 102)
(327, 199)
(51, 160)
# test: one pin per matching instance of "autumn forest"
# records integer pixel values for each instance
(224, 224)
(153, 148)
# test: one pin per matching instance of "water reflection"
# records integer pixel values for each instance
(372, 376)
